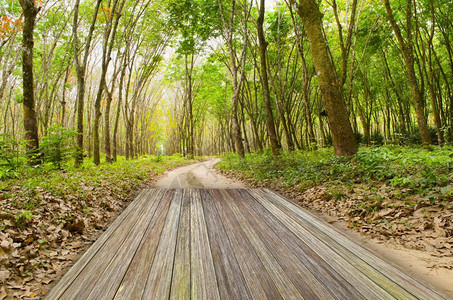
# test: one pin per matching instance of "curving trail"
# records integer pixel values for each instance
(201, 175)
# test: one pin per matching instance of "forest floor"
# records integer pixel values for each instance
(407, 228)
(49, 218)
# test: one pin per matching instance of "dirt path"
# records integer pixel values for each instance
(201, 175)
(415, 263)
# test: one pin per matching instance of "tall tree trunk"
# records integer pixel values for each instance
(343, 137)
(189, 104)
(234, 68)
(275, 146)
(407, 49)
(109, 39)
(30, 12)
(80, 67)
(305, 80)
(107, 142)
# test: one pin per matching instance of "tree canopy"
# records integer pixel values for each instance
(202, 77)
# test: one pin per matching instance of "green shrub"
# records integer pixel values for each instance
(57, 145)
(404, 167)
(10, 156)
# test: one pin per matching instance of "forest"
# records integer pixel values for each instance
(344, 105)
(202, 77)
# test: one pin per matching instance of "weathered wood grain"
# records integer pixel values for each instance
(204, 281)
(274, 238)
(230, 279)
(97, 277)
(276, 273)
(340, 242)
(180, 283)
(348, 271)
(229, 244)
(130, 213)
(260, 284)
(159, 278)
(134, 280)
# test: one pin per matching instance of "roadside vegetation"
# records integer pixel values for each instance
(50, 214)
(394, 193)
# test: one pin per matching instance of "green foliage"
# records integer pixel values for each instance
(57, 145)
(418, 170)
(85, 183)
(10, 157)
(23, 218)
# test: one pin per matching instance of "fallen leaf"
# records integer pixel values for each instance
(4, 275)
(77, 245)
(31, 295)
(5, 244)
(3, 293)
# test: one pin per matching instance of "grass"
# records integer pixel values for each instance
(409, 170)
(82, 184)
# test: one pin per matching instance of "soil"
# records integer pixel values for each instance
(201, 175)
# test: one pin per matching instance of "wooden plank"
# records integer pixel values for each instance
(204, 283)
(159, 279)
(230, 279)
(134, 280)
(353, 252)
(110, 279)
(107, 268)
(348, 272)
(180, 286)
(274, 270)
(73, 273)
(275, 240)
(259, 283)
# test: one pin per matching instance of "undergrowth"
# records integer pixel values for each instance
(417, 171)
(82, 184)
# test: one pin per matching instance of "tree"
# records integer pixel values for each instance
(80, 66)
(236, 64)
(107, 47)
(30, 12)
(343, 137)
(275, 145)
(407, 49)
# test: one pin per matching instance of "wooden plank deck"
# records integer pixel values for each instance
(228, 244)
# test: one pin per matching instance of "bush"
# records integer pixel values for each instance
(377, 138)
(10, 157)
(414, 168)
(57, 146)
(409, 139)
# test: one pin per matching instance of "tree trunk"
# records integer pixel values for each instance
(275, 146)
(189, 104)
(80, 71)
(109, 35)
(409, 60)
(343, 137)
(237, 82)
(30, 12)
